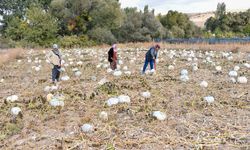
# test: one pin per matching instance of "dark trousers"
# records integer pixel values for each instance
(55, 73)
(151, 62)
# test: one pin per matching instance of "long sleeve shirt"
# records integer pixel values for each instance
(54, 58)
(151, 54)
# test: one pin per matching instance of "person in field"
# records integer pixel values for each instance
(151, 57)
(55, 58)
(112, 57)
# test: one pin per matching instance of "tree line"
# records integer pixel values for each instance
(228, 24)
(89, 22)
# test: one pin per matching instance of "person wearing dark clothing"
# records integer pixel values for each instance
(55, 59)
(112, 57)
(150, 57)
(56, 73)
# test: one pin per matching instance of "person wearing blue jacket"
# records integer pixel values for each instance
(150, 58)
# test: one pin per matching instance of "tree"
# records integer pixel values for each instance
(72, 16)
(15, 28)
(178, 25)
(247, 30)
(45, 4)
(42, 26)
(107, 14)
(129, 31)
(221, 10)
(151, 25)
(14, 7)
(102, 35)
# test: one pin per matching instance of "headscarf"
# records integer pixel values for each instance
(114, 47)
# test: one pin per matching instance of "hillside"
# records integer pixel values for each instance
(200, 18)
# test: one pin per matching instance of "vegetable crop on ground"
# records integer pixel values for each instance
(190, 120)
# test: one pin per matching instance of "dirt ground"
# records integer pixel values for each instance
(191, 123)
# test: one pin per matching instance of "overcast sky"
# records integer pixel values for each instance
(186, 6)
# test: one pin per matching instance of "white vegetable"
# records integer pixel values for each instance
(117, 73)
(56, 103)
(184, 72)
(195, 68)
(125, 68)
(112, 101)
(233, 74)
(233, 80)
(15, 111)
(218, 68)
(79, 63)
(184, 78)
(87, 128)
(12, 98)
(78, 73)
(103, 116)
(93, 78)
(99, 66)
(127, 73)
(236, 68)
(105, 66)
(109, 70)
(209, 99)
(37, 69)
(65, 78)
(120, 62)
(124, 99)
(242, 80)
(171, 67)
(159, 115)
(75, 69)
(47, 89)
(204, 84)
(102, 81)
(49, 97)
(247, 65)
(146, 94)
(53, 88)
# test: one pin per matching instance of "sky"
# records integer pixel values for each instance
(186, 6)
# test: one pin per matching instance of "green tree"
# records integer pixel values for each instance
(14, 7)
(102, 35)
(130, 30)
(42, 26)
(152, 27)
(106, 13)
(15, 28)
(178, 25)
(221, 10)
(247, 30)
(72, 16)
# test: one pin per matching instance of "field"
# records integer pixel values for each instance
(190, 123)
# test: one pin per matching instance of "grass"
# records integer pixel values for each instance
(10, 54)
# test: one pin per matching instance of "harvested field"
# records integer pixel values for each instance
(191, 122)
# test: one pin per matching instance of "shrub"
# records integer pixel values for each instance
(102, 35)
(75, 41)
